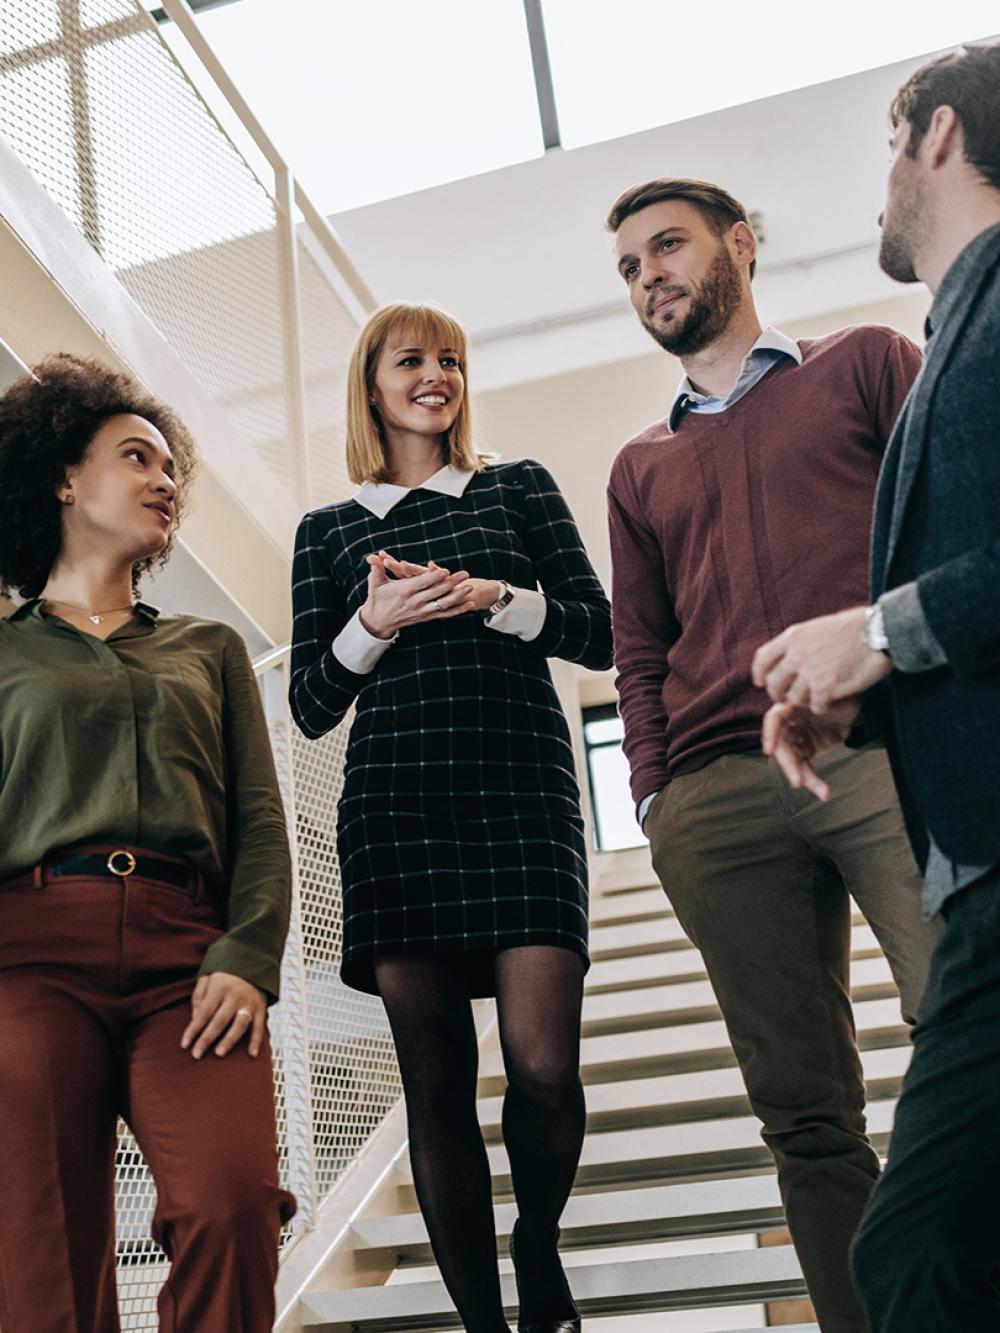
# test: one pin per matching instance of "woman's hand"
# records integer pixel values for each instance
(484, 592)
(224, 1009)
(405, 599)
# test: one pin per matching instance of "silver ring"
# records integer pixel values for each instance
(244, 1013)
(435, 604)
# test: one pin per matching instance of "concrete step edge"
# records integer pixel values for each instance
(642, 1284)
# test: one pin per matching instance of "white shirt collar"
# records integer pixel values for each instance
(378, 497)
(770, 340)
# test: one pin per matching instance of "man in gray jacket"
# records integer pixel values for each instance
(926, 656)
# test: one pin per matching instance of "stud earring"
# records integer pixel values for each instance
(69, 500)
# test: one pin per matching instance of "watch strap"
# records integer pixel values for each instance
(874, 634)
(503, 601)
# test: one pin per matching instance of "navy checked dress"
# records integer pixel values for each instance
(459, 828)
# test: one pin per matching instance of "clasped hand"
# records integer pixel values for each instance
(402, 593)
(816, 673)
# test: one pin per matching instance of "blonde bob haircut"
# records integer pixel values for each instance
(423, 324)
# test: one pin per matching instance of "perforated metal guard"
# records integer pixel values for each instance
(98, 109)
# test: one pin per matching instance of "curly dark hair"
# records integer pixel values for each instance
(47, 419)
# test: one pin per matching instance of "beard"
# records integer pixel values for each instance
(906, 228)
(712, 303)
(896, 255)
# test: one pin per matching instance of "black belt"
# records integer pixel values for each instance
(122, 864)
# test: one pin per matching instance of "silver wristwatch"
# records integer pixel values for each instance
(503, 601)
(874, 631)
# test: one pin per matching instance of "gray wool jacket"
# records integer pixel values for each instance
(936, 538)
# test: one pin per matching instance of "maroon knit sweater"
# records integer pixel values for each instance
(736, 526)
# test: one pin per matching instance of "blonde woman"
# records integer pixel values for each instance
(461, 842)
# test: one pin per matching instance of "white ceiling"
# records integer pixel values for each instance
(521, 256)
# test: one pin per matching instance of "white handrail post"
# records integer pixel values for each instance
(350, 285)
(294, 1012)
(291, 327)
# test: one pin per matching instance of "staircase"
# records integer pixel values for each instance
(668, 1226)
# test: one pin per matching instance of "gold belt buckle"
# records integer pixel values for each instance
(130, 864)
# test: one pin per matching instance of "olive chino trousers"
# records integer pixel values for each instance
(96, 975)
(761, 877)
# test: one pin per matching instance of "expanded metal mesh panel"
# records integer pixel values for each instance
(97, 106)
(220, 309)
(98, 109)
(328, 331)
(191, 232)
(354, 1077)
(36, 120)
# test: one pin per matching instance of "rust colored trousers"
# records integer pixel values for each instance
(96, 975)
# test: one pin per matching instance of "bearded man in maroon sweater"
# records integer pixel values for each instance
(746, 510)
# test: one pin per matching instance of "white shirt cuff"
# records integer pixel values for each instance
(357, 650)
(643, 810)
(524, 615)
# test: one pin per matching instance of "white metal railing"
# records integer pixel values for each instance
(314, 232)
(336, 1068)
(206, 227)
(245, 280)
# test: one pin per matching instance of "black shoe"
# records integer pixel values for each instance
(565, 1318)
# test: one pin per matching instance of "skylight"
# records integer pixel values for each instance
(629, 66)
(375, 99)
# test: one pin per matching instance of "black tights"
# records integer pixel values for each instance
(539, 993)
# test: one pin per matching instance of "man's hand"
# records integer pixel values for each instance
(795, 736)
(224, 1009)
(820, 662)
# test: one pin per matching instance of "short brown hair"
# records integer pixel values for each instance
(968, 80)
(47, 421)
(365, 446)
(721, 209)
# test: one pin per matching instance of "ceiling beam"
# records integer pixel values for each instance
(544, 90)
(199, 6)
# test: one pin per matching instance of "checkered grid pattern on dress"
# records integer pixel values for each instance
(459, 823)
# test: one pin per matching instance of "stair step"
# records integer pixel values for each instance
(640, 904)
(694, 1096)
(662, 1212)
(637, 938)
(610, 1288)
(785, 1328)
(659, 1152)
(668, 967)
(703, 1045)
(649, 1006)
(623, 872)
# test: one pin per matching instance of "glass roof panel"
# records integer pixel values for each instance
(367, 101)
(626, 67)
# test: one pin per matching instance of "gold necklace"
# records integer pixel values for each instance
(97, 617)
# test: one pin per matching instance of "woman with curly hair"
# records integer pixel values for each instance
(144, 881)
(460, 836)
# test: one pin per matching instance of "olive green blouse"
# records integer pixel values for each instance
(153, 738)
